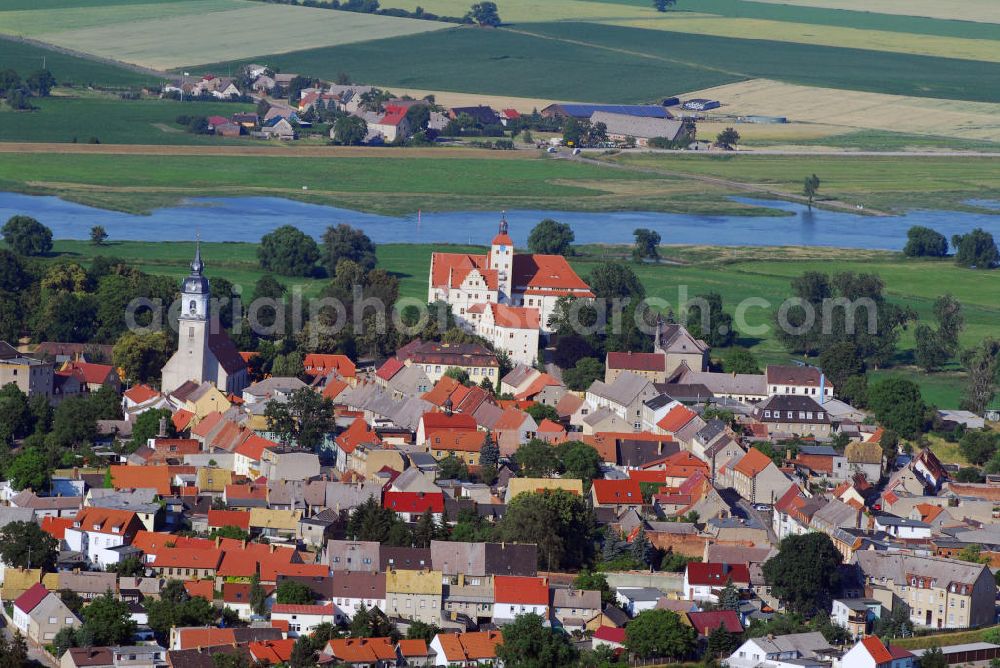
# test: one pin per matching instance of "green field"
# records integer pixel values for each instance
(113, 121)
(26, 58)
(706, 269)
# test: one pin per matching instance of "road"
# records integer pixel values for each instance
(763, 518)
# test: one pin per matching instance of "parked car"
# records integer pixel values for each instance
(551, 149)
(763, 507)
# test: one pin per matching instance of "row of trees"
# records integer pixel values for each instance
(18, 92)
(288, 251)
(977, 249)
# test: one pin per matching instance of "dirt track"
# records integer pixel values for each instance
(266, 150)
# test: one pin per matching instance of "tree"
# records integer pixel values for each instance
(741, 360)
(288, 251)
(457, 373)
(372, 623)
(925, 242)
(16, 419)
(579, 461)
(978, 447)
(370, 521)
(26, 236)
(973, 554)
(805, 572)
(257, 596)
(647, 244)
(29, 470)
(14, 652)
(707, 320)
(19, 99)
(528, 643)
(810, 188)
(897, 405)
(729, 598)
(452, 468)
(350, 130)
(570, 349)
(294, 592)
(613, 280)
(304, 420)
(9, 79)
(855, 391)
(536, 459)
(303, 654)
(676, 563)
(343, 242)
(662, 5)
(982, 363)
(41, 82)
(551, 237)
(642, 550)
(25, 545)
(840, 362)
(142, 355)
(933, 657)
(108, 621)
(897, 624)
(721, 643)
(147, 426)
(418, 116)
(728, 138)
(419, 630)
(977, 249)
(98, 235)
(539, 412)
(968, 474)
(560, 523)
(588, 581)
(659, 633)
(936, 347)
(585, 372)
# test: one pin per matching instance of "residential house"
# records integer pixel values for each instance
(360, 652)
(617, 494)
(93, 376)
(514, 595)
(756, 478)
(411, 505)
(704, 580)
(414, 594)
(793, 650)
(747, 388)
(787, 415)
(517, 486)
(798, 380)
(871, 652)
(625, 397)
(707, 621)
(857, 615)
(866, 459)
(39, 615)
(903, 528)
(353, 556)
(793, 513)
(634, 600)
(303, 619)
(651, 366)
(623, 128)
(466, 649)
(680, 348)
(575, 609)
(352, 590)
(99, 534)
(32, 376)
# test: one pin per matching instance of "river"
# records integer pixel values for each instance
(249, 218)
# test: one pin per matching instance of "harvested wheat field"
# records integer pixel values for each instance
(858, 110)
(983, 11)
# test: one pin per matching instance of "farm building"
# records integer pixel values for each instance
(622, 126)
(582, 111)
(701, 104)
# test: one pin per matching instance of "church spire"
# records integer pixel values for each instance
(197, 265)
(503, 222)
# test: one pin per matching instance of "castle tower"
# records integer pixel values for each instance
(502, 260)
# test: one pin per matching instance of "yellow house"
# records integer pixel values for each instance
(16, 581)
(207, 398)
(370, 460)
(414, 595)
(463, 444)
(211, 479)
(517, 486)
(275, 522)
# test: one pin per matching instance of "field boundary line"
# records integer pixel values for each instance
(139, 69)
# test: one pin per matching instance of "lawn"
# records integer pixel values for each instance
(885, 182)
(113, 121)
(26, 58)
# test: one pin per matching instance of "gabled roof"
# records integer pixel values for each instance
(236, 518)
(752, 463)
(390, 368)
(521, 590)
(716, 574)
(435, 421)
(613, 492)
(706, 622)
(105, 520)
(141, 477)
(514, 317)
(87, 372)
(140, 393)
(676, 417)
(781, 374)
(30, 599)
(461, 648)
(358, 433)
(414, 502)
(362, 651)
(637, 361)
(457, 440)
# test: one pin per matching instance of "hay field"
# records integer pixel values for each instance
(858, 110)
(459, 99)
(806, 33)
(248, 31)
(33, 23)
(983, 11)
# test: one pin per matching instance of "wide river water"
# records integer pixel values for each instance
(249, 218)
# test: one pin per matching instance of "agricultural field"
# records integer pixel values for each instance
(985, 11)
(828, 107)
(68, 70)
(62, 119)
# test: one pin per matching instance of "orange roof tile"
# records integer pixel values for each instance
(318, 364)
(518, 589)
(203, 588)
(188, 557)
(193, 638)
(415, 647)
(614, 492)
(253, 448)
(464, 647)
(356, 434)
(106, 520)
(140, 393)
(514, 317)
(90, 373)
(549, 427)
(676, 418)
(181, 419)
(56, 526)
(234, 518)
(141, 477)
(206, 424)
(457, 440)
(272, 652)
(361, 650)
(752, 463)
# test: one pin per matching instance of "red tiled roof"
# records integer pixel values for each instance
(292, 609)
(31, 598)
(706, 622)
(415, 647)
(549, 427)
(546, 271)
(362, 651)
(648, 476)
(225, 518)
(537, 385)
(272, 652)
(435, 422)
(194, 638)
(617, 491)
(715, 574)
(514, 317)
(333, 388)
(394, 115)
(356, 434)
(637, 361)
(752, 463)
(56, 526)
(188, 557)
(140, 393)
(141, 477)
(253, 448)
(676, 418)
(462, 648)
(522, 590)
(203, 588)
(206, 424)
(105, 520)
(90, 373)
(442, 391)
(390, 368)
(880, 653)
(611, 634)
(455, 440)
(414, 502)
(181, 419)
(511, 419)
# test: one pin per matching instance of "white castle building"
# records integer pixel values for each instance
(503, 296)
(204, 350)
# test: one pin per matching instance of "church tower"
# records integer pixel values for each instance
(502, 260)
(192, 356)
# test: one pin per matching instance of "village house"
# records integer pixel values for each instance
(436, 358)
(414, 594)
(786, 651)
(622, 128)
(466, 649)
(617, 494)
(625, 397)
(704, 581)
(871, 652)
(513, 596)
(39, 615)
(800, 380)
(576, 609)
(32, 376)
(303, 619)
(101, 533)
(651, 366)
(787, 415)
(352, 590)
(756, 478)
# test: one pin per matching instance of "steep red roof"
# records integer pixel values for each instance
(181, 419)
(356, 434)
(706, 622)
(390, 368)
(225, 518)
(522, 590)
(31, 598)
(753, 462)
(56, 526)
(414, 502)
(537, 385)
(141, 477)
(253, 448)
(457, 440)
(290, 608)
(882, 654)
(393, 115)
(637, 361)
(611, 634)
(90, 373)
(676, 418)
(272, 652)
(203, 588)
(546, 271)
(435, 422)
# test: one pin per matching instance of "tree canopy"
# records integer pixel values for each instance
(925, 242)
(26, 236)
(528, 643)
(659, 633)
(25, 545)
(898, 405)
(288, 251)
(560, 523)
(344, 242)
(805, 573)
(551, 237)
(976, 249)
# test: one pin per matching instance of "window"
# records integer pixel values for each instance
(767, 414)
(53, 620)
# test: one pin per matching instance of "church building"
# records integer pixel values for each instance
(204, 350)
(503, 296)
